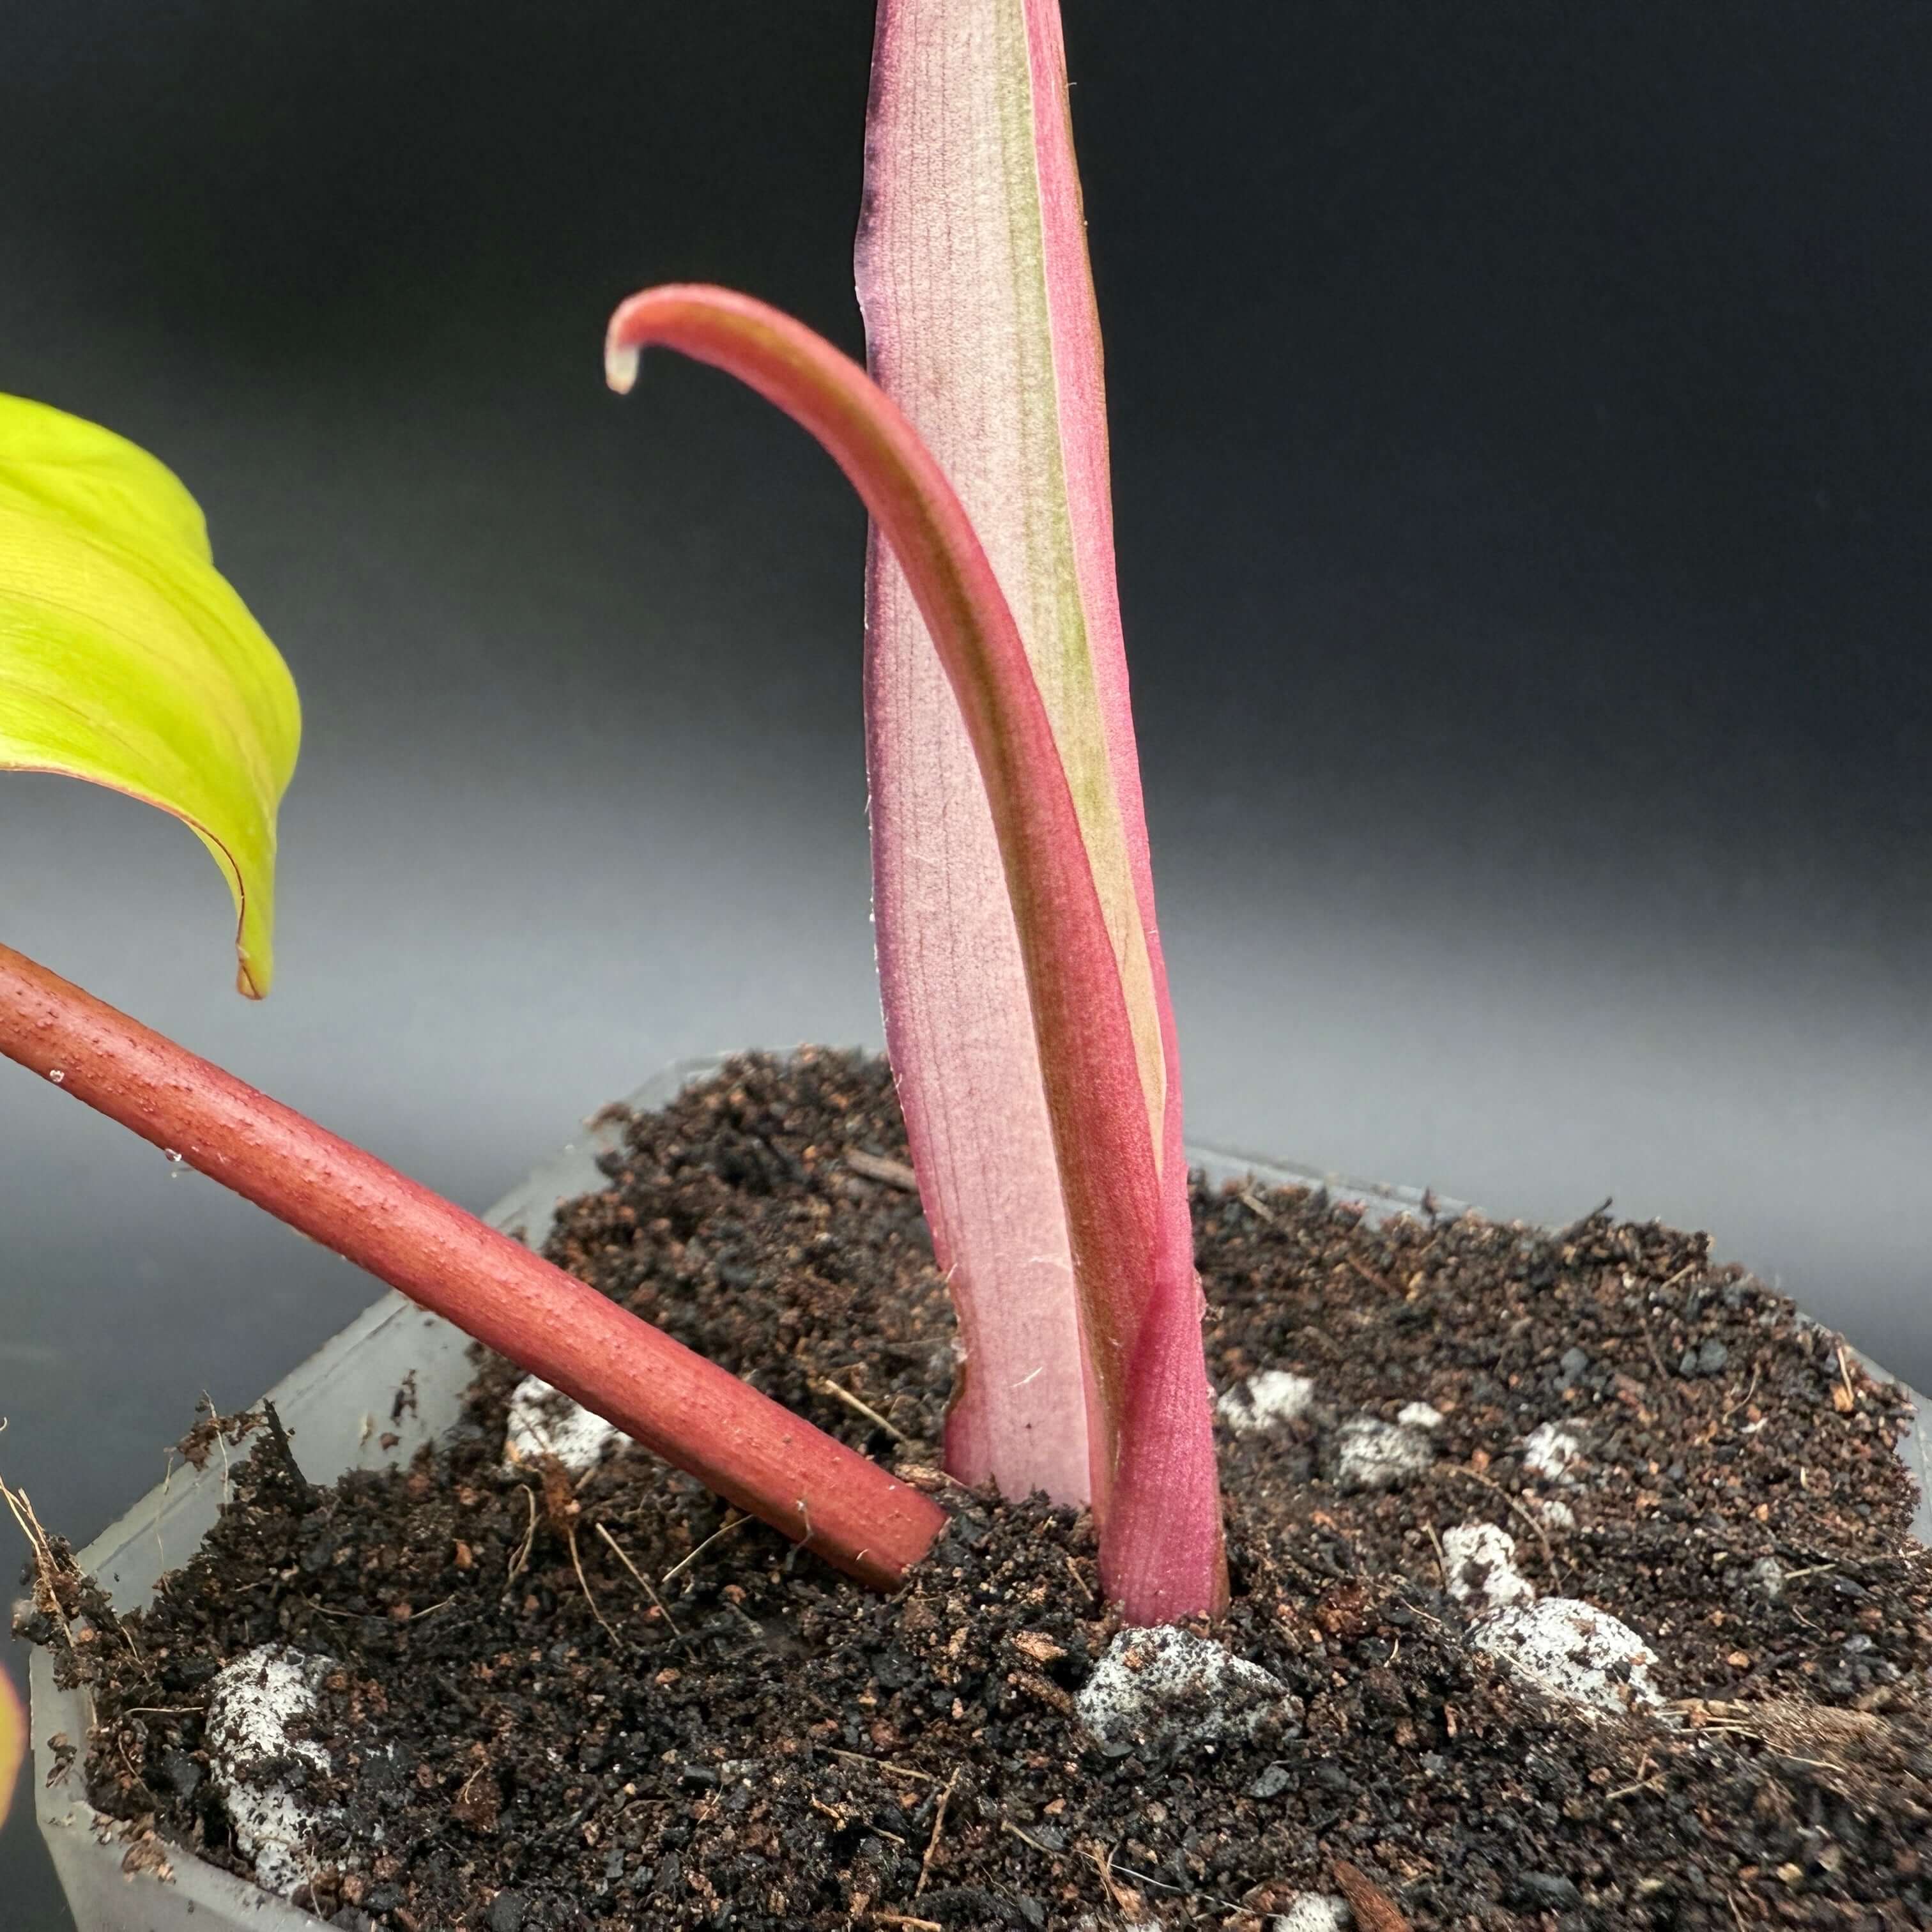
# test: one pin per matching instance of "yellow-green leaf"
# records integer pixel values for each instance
(126, 659)
(13, 1740)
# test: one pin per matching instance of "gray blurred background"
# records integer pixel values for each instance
(1523, 426)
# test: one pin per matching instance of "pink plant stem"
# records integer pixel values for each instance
(705, 1421)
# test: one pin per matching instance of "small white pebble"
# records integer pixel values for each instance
(1313, 1912)
(1372, 1455)
(251, 1704)
(1419, 1415)
(1551, 1513)
(1548, 1451)
(1261, 1401)
(1480, 1561)
(1169, 1686)
(1574, 1651)
(543, 1423)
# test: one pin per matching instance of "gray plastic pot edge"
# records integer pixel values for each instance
(392, 1381)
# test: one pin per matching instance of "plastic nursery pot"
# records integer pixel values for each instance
(393, 1380)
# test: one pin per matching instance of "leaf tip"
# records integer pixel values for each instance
(620, 360)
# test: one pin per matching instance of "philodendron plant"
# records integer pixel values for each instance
(1026, 1007)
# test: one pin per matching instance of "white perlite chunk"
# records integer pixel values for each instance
(1570, 1649)
(543, 1422)
(1168, 1687)
(1574, 1651)
(1548, 1451)
(1372, 1455)
(1419, 1415)
(250, 1705)
(1273, 1396)
(1313, 1912)
(1481, 1560)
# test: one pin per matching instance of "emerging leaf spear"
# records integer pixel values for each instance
(981, 323)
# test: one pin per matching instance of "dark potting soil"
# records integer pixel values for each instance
(559, 1707)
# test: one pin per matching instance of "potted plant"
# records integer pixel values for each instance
(1033, 1051)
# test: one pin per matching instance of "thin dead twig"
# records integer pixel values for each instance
(1653, 1783)
(1689, 1267)
(322, 1610)
(49, 1573)
(1117, 1896)
(1646, 1780)
(1179, 1890)
(678, 1568)
(304, 1489)
(643, 1580)
(844, 1820)
(1007, 1825)
(938, 1826)
(825, 1385)
(582, 1583)
(1369, 1275)
(881, 1764)
(167, 1484)
(880, 1167)
(220, 1443)
(1514, 1503)
(1577, 1226)
(1667, 1388)
(1441, 1556)
(1103, 1863)
(520, 1562)
(1731, 1408)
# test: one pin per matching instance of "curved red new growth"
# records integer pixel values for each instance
(1161, 1554)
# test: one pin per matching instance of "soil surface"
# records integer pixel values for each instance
(560, 1706)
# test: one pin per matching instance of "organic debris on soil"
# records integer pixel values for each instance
(560, 1705)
